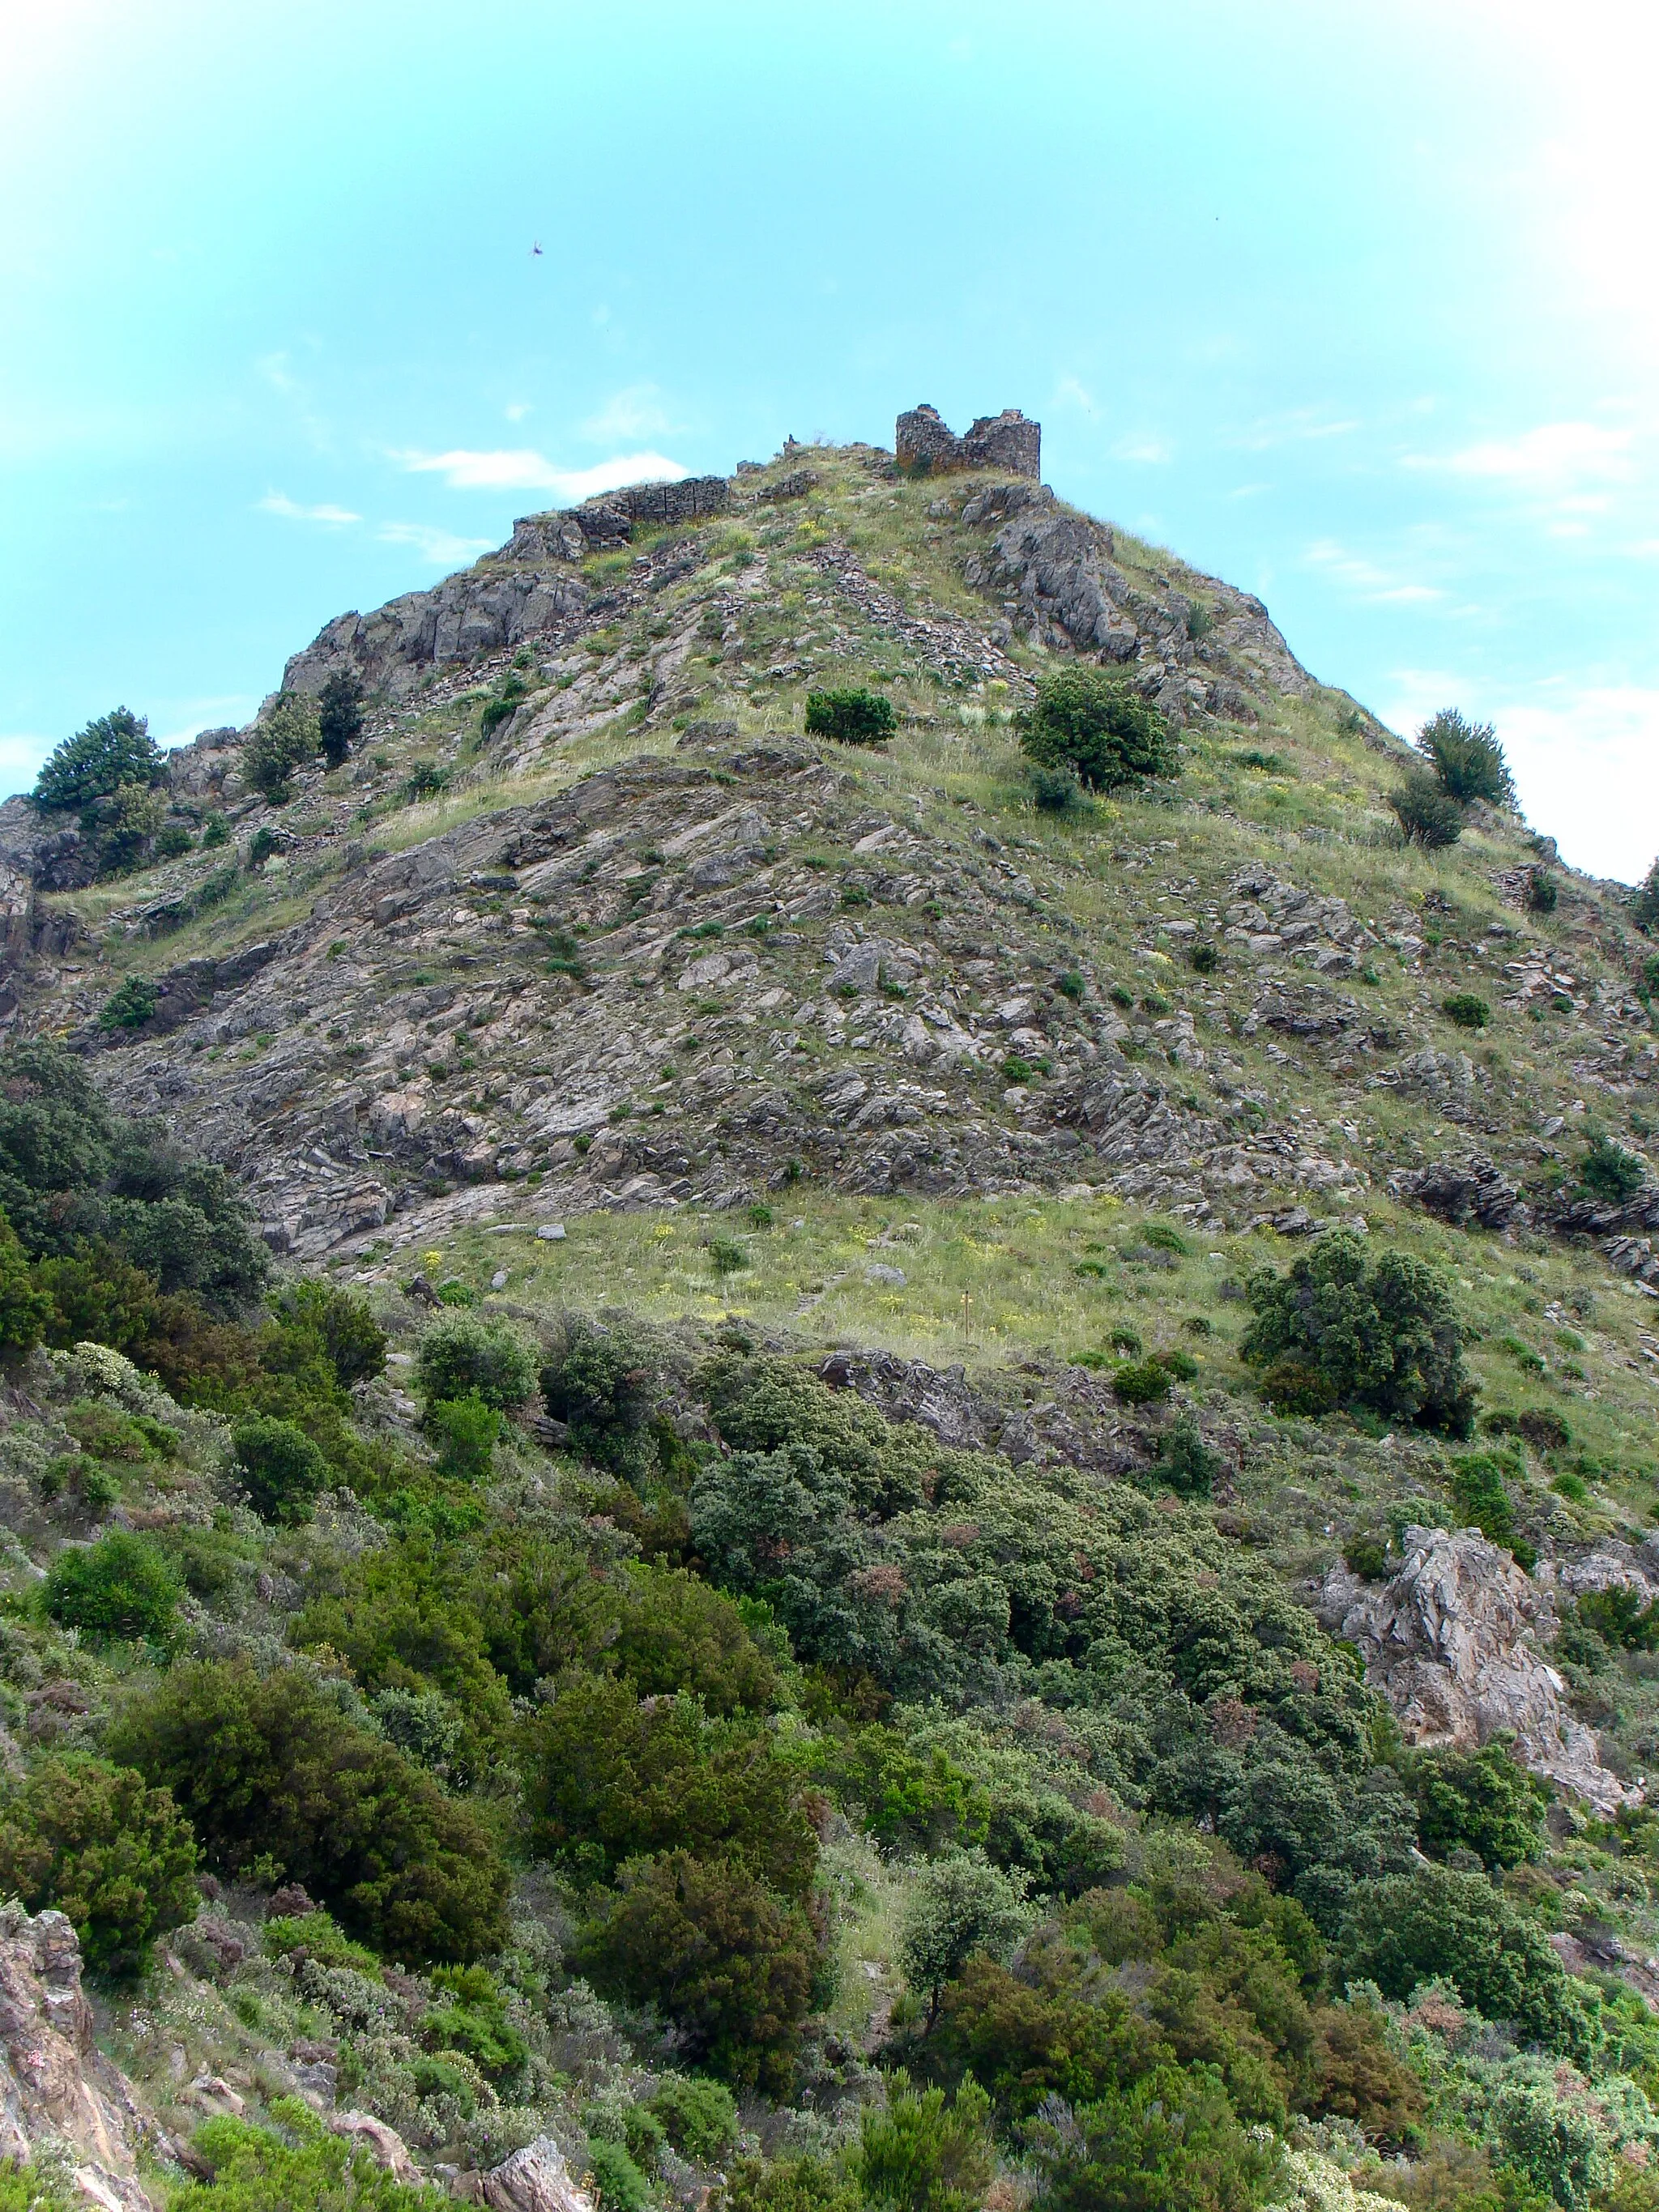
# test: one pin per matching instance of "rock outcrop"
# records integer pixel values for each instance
(1453, 1642)
(925, 445)
(57, 2088)
(534, 2179)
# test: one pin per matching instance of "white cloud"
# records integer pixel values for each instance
(523, 469)
(638, 412)
(279, 502)
(440, 547)
(1070, 392)
(1148, 449)
(1552, 454)
(1292, 427)
(1378, 587)
(518, 410)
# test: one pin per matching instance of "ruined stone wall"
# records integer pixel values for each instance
(608, 520)
(925, 445)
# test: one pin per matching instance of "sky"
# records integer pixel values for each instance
(1352, 305)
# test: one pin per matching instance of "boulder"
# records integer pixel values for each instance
(1452, 1642)
(534, 2179)
(384, 2144)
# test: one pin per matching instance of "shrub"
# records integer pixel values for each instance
(1380, 1333)
(282, 744)
(1426, 814)
(1098, 726)
(464, 1431)
(1481, 1802)
(1054, 790)
(610, 1778)
(261, 845)
(1170, 2143)
(172, 840)
(852, 716)
(721, 1957)
(1408, 1928)
(1142, 1381)
(216, 831)
(461, 1356)
(346, 1331)
(303, 2168)
(1357, 2077)
(91, 1840)
(1468, 1012)
(726, 1256)
(115, 748)
(130, 1006)
(1477, 1488)
(917, 2154)
(425, 779)
(1611, 1172)
(1070, 985)
(281, 1470)
(1203, 959)
(122, 1586)
(503, 703)
(700, 2117)
(960, 1907)
(620, 2185)
(808, 2183)
(1465, 759)
(1185, 1462)
(1644, 900)
(273, 1775)
(599, 1382)
(339, 717)
(1543, 892)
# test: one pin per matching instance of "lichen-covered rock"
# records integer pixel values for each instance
(534, 2179)
(57, 2088)
(1453, 1642)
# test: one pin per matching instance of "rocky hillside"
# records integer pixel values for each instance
(926, 1152)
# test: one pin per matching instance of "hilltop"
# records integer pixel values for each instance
(875, 1163)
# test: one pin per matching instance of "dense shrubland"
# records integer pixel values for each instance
(572, 1789)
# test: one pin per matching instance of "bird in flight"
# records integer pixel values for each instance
(535, 249)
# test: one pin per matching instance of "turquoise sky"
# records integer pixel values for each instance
(1352, 304)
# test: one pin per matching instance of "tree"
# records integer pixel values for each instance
(729, 1964)
(273, 1776)
(1170, 2143)
(1427, 815)
(853, 716)
(121, 1586)
(1478, 1801)
(283, 743)
(461, 1353)
(1467, 759)
(1380, 1333)
(1609, 1171)
(1099, 726)
(1408, 1928)
(960, 1907)
(339, 717)
(26, 1311)
(113, 750)
(339, 1323)
(917, 2154)
(281, 1470)
(1644, 900)
(91, 1840)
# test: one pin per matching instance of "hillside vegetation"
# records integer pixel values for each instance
(849, 1216)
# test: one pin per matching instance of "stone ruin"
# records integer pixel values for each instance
(925, 446)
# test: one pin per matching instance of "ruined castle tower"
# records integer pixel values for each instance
(925, 446)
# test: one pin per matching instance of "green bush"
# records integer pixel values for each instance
(122, 1586)
(285, 741)
(271, 1774)
(726, 1961)
(280, 1468)
(503, 703)
(461, 1356)
(1185, 1462)
(473, 2018)
(611, 1777)
(27, 1308)
(261, 845)
(90, 1840)
(113, 750)
(1478, 1488)
(808, 2183)
(1427, 815)
(297, 2166)
(1171, 2143)
(1609, 1171)
(1408, 1928)
(1054, 790)
(1543, 892)
(1467, 1010)
(350, 1338)
(699, 2117)
(130, 1006)
(852, 716)
(1465, 759)
(339, 718)
(620, 2185)
(1381, 1334)
(1481, 1801)
(1644, 900)
(1142, 1381)
(599, 1381)
(919, 2154)
(1097, 726)
(464, 1431)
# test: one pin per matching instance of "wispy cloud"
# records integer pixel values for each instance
(1543, 459)
(1070, 392)
(279, 502)
(1292, 427)
(1143, 449)
(636, 412)
(1376, 585)
(442, 548)
(523, 469)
